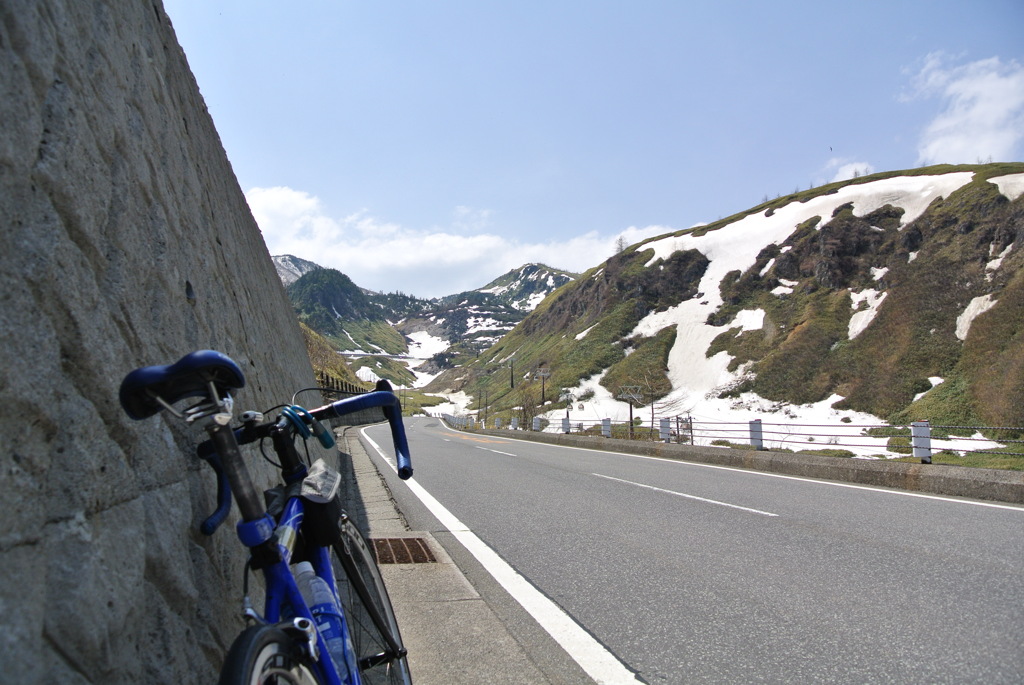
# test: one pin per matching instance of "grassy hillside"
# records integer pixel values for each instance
(325, 360)
(809, 286)
(913, 337)
(582, 329)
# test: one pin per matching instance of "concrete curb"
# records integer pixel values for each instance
(939, 479)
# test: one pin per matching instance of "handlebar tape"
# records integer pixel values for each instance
(392, 407)
(385, 400)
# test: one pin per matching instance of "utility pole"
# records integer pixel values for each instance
(543, 373)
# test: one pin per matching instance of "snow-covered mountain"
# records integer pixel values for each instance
(526, 287)
(890, 296)
(432, 334)
(472, 321)
(290, 268)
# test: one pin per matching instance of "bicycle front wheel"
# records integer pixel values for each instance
(371, 619)
(265, 655)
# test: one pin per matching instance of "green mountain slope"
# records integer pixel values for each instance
(329, 302)
(862, 293)
(460, 326)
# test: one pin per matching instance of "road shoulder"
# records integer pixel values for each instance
(451, 632)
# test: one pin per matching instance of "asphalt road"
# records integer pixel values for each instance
(693, 573)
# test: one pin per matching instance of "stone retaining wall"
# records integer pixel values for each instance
(126, 241)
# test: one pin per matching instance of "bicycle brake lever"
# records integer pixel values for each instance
(213, 521)
(323, 435)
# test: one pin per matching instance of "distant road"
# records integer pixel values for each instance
(694, 573)
(383, 354)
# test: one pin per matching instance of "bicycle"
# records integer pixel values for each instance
(303, 637)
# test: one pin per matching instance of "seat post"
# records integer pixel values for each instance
(249, 504)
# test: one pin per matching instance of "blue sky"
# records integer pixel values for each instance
(428, 147)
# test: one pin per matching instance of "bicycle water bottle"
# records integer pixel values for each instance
(324, 607)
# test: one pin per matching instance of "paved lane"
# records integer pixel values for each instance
(691, 573)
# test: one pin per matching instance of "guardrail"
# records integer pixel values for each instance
(332, 389)
(919, 439)
(334, 386)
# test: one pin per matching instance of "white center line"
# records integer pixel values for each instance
(507, 454)
(682, 463)
(682, 494)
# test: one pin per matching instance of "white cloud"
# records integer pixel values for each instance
(296, 216)
(983, 110)
(470, 220)
(387, 257)
(845, 169)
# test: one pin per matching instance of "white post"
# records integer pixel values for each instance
(515, 423)
(536, 423)
(606, 428)
(666, 430)
(755, 435)
(921, 440)
(565, 424)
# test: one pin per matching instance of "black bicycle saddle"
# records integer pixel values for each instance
(190, 376)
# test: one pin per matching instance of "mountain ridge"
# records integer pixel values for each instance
(809, 298)
(435, 333)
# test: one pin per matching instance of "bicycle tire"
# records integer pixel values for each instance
(265, 655)
(368, 611)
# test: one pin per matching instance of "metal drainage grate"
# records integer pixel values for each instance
(402, 551)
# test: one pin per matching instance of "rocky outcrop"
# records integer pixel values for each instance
(290, 268)
(126, 241)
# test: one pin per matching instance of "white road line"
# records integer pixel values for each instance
(591, 655)
(507, 454)
(683, 494)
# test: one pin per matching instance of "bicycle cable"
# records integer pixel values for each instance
(266, 457)
(263, 451)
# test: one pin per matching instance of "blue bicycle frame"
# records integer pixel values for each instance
(210, 375)
(282, 590)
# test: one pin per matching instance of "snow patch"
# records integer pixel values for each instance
(350, 338)
(533, 301)
(997, 262)
(1011, 186)
(934, 380)
(367, 375)
(785, 289)
(457, 403)
(749, 320)
(476, 324)
(863, 318)
(424, 345)
(738, 244)
(581, 336)
(978, 306)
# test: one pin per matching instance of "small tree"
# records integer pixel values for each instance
(527, 409)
